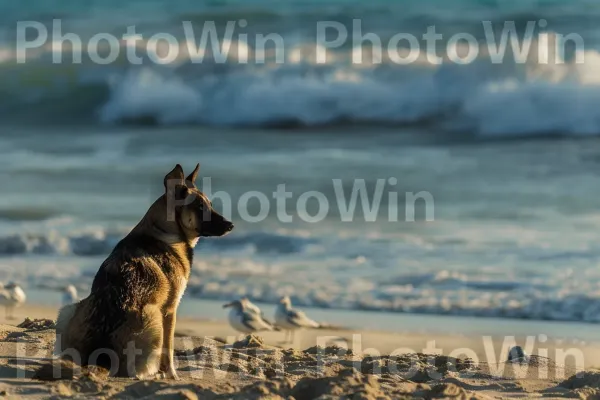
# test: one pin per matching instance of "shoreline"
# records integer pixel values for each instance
(210, 310)
(490, 344)
(479, 369)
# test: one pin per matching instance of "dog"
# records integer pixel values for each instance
(127, 323)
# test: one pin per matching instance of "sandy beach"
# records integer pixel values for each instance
(213, 362)
(411, 184)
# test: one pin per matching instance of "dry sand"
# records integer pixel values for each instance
(267, 369)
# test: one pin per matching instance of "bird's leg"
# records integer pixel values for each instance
(9, 313)
(293, 337)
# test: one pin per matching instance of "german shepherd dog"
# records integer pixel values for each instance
(127, 323)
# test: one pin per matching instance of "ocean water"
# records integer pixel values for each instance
(508, 152)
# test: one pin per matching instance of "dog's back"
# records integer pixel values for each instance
(129, 294)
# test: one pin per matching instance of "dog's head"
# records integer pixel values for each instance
(190, 208)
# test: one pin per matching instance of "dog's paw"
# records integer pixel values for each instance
(173, 376)
(168, 373)
(148, 375)
(143, 377)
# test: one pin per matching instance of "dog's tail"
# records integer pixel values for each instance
(65, 315)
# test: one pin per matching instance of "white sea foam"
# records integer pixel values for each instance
(556, 98)
(90, 243)
(497, 275)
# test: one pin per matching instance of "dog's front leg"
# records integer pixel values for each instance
(167, 366)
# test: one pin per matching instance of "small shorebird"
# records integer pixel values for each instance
(69, 295)
(517, 354)
(250, 306)
(246, 320)
(289, 319)
(11, 296)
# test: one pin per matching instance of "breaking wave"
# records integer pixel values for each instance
(486, 99)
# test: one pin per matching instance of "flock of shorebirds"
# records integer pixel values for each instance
(244, 316)
(12, 296)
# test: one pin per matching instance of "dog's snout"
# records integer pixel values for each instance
(217, 225)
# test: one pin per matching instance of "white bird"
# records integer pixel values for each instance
(69, 295)
(250, 306)
(289, 319)
(11, 296)
(244, 320)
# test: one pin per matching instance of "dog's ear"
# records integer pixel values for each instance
(174, 177)
(190, 181)
(181, 192)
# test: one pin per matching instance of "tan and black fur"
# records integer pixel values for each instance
(136, 292)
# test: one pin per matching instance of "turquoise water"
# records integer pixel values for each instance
(508, 151)
(514, 231)
(292, 87)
